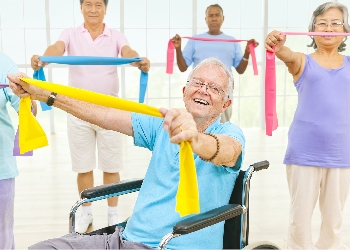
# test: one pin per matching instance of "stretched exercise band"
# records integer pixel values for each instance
(92, 60)
(187, 198)
(171, 48)
(271, 120)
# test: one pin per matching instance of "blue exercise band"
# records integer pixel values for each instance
(91, 60)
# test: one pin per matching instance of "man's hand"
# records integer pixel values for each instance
(143, 65)
(36, 63)
(23, 89)
(176, 41)
(180, 125)
(247, 49)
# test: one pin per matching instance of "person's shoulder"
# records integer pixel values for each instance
(223, 35)
(5, 58)
(205, 34)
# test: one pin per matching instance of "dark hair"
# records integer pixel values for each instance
(106, 2)
(216, 6)
(322, 9)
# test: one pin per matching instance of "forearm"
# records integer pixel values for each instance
(53, 50)
(104, 117)
(228, 153)
(181, 63)
(130, 53)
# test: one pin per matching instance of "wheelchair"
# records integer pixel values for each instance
(235, 214)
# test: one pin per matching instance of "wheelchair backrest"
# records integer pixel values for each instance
(232, 230)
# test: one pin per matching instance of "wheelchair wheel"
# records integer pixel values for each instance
(262, 245)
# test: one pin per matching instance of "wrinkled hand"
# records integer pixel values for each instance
(256, 44)
(275, 38)
(180, 125)
(176, 41)
(36, 63)
(143, 65)
(23, 89)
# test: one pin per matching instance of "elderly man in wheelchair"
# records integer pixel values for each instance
(218, 153)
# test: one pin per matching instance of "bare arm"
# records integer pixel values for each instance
(107, 118)
(244, 63)
(181, 63)
(294, 61)
(128, 52)
(182, 127)
(56, 49)
(230, 149)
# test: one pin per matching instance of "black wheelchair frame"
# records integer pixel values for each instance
(236, 213)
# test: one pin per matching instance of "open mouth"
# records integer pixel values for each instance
(200, 101)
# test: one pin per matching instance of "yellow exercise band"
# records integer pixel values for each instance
(32, 136)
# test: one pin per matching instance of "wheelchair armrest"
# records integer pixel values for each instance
(260, 165)
(207, 219)
(108, 189)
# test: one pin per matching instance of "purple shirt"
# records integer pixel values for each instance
(320, 132)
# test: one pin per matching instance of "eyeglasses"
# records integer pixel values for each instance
(211, 88)
(324, 25)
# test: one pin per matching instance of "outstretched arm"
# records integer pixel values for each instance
(128, 52)
(182, 127)
(56, 49)
(107, 118)
(293, 60)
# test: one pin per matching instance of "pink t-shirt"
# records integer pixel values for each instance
(98, 78)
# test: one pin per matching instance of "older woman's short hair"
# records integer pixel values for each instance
(214, 61)
(322, 9)
(106, 2)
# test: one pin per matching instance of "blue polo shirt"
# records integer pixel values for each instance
(8, 168)
(154, 212)
(229, 53)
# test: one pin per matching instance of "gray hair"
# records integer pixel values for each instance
(216, 62)
(322, 9)
(106, 2)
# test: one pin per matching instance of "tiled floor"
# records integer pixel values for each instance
(46, 190)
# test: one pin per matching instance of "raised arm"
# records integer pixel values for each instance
(244, 62)
(181, 63)
(107, 118)
(294, 61)
(222, 150)
(56, 49)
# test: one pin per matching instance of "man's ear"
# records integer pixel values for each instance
(227, 104)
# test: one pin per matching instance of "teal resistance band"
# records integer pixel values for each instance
(91, 60)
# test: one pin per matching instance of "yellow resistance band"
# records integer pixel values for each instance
(32, 136)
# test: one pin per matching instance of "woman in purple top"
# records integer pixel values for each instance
(318, 153)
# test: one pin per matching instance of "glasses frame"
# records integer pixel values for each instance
(317, 25)
(208, 85)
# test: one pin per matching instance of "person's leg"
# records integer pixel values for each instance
(7, 195)
(334, 191)
(303, 184)
(226, 116)
(82, 144)
(77, 241)
(110, 161)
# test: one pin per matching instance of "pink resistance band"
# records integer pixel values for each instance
(271, 120)
(171, 48)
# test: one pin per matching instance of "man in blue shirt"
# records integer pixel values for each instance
(228, 52)
(218, 153)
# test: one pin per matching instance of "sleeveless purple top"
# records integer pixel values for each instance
(320, 132)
